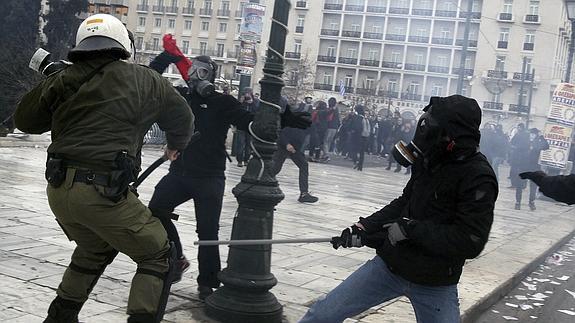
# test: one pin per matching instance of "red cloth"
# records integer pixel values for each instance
(184, 64)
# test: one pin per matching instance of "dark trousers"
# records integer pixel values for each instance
(532, 193)
(359, 152)
(243, 149)
(299, 160)
(207, 193)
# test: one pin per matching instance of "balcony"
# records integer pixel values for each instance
(502, 44)
(293, 55)
(172, 10)
(348, 89)
(321, 86)
(531, 19)
(474, 15)
(445, 13)
(411, 96)
(442, 41)
(421, 12)
(472, 43)
(438, 69)
(518, 108)
(492, 105)
(519, 76)
(330, 32)
(299, 29)
(328, 59)
(223, 13)
(188, 11)
(528, 46)
(350, 33)
(369, 62)
(363, 91)
(142, 7)
(396, 65)
(373, 35)
(414, 67)
(389, 94)
(348, 60)
(206, 11)
(333, 6)
(466, 71)
(376, 9)
(301, 5)
(399, 11)
(395, 37)
(159, 9)
(497, 74)
(419, 39)
(503, 16)
(354, 7)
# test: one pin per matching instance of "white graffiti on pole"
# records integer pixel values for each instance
(559, 127)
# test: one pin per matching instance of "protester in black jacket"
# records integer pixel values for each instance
(198, 173)
(423, 237)
(559, 188)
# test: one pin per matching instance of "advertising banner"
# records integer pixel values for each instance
(559, 127)
(250, 34)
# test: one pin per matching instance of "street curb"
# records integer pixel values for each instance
(475, 311)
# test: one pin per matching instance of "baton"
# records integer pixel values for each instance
(258, 242)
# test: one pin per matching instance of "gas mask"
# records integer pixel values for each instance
(427, 139)
(201, 74)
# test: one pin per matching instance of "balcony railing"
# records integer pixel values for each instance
(321, 86)
(373, 35)
(399, 11)
(323, 58)
(348, 60)
(411, 96)
(442, 41)
(497, 74)
(474, 15)
(518, 76)
(206, 11)
(503, 16)
(492, 105)
(354, 7)
(528, 46)
(369, 62)
(330, 32)
(395, 37)
(295, 55)
(397, 65)
(333, 6)
(502, 44)
(472, 42)
(350, 33)
(142, 7)
(414, 67)
(518, 108)
(299, 29)
(188, 11)
(532, 18)
(466, 71)
(421, 12)
(238, 14)
(445, 13)
(223, 13)
(376, 9)
(389, 94)
(301, 4)
(158, 9)
(172, 10)
(438, 69)
(365, 91)
(419, 39)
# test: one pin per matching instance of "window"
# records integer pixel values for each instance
(238, 27)
(496, 97)
(190, 4)
(188, 25)
(220, 50)
(351, 52)
(139, 42)
(203, 47)
(172, 23)
(185, 46)
(300, 21)
(442, 60)
(449, 6)
(205, 25)
(373, 54)
(413, 87)
(500, 63)
(530, 36)
(369, 83)
(376, 29)
(333, 26)
(421, 32)
(155, 43)
(445, 33)
(534, 7)
(355, 27)
(437, 90)
(207, 5)
(399, 30)
(142, 21)
(418, 59)
(158, 23)
(225, 6)
(392, 85)
(223, 27)
(349, 80)
(528, 66)
(331, 51)
(396, 57)
(504, 34)
(508, 6)
(327, 78)
(297, 46)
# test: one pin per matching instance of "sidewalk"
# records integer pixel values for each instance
(34, 252)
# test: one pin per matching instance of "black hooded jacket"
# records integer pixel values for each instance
(450, 202)
(559, 188)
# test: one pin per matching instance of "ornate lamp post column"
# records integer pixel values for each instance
(245, 295)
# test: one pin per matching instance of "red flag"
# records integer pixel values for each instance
(184, 64)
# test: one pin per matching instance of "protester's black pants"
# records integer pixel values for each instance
(207, 193)
(532, 193)
(299, 160)
(243, 149)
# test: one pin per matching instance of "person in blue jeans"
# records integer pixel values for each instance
(423, 237)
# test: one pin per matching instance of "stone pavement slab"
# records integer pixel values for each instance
(34, 252)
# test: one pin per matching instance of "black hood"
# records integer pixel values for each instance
(460, 117)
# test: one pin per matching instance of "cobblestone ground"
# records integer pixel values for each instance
(34, 252)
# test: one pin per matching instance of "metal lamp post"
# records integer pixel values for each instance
(245, 295)
(571, 16)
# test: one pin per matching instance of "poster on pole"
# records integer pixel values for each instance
(250, 34)
(559, 127)
(247, 59)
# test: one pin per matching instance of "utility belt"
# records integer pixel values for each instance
(113, 185)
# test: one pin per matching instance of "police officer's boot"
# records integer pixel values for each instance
(63, 311)
(142, 318)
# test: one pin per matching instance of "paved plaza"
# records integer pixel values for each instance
(34, 252)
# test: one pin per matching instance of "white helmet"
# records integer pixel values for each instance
(102, 32)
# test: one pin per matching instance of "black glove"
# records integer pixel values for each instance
(350, 237)
(536, 177)
(301, 120)
(399, 230)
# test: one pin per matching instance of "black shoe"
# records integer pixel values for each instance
(397, 170)
(532, 206)
(240, 164)
(63, 311)
(307, 198)
(517, 206)
(388, 168)
(204, 292)
(182, 265)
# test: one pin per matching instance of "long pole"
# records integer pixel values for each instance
(571, 52)
(254, 242)
(465, 47)
(530, 97)
(522, 85)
